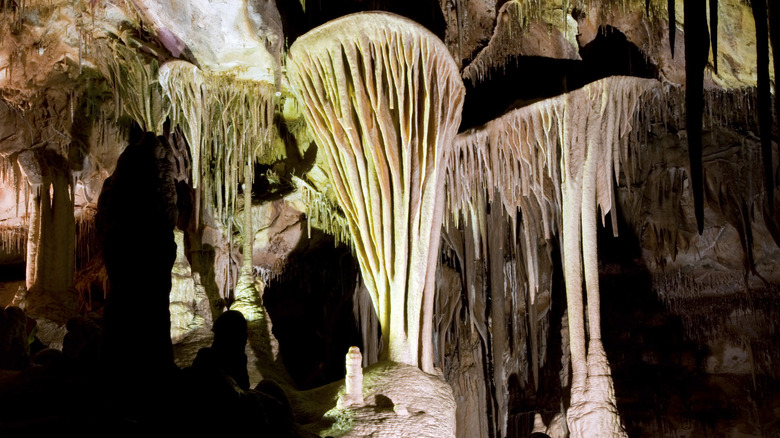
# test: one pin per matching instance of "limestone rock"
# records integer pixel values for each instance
(736, 30)
(558, 427)
(547, 30)
(238, 35)
(190, 309)
(469, 25)
(279, 229)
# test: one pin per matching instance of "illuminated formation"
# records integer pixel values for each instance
(517, 155)
(353, 382)
(383, 98)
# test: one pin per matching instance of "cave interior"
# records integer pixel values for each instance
(387, 218)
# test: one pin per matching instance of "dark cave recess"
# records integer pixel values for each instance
(298, 20)
(528, 79)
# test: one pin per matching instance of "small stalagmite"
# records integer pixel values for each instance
(353, 395)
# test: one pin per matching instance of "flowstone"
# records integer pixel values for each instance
(400, 400)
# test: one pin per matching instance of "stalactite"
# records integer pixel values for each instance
(134, 78)
(322, 213)
(518, 156)
(697, 44)
(13, 239)
(714, 33)
(764, 96)
(183, 83)
(383, 96)
(224, 120)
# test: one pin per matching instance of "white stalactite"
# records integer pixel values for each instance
(224, 119)
(383, 97)
(555, 160)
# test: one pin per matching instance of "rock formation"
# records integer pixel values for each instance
(383, 98)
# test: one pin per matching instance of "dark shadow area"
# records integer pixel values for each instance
(651, 361)
(273, 181)
(524, 401)
(118, 370)
(115, 375)
(15, 272)
(137, 212)
(529, 79)
(297, 22)
(611, 54)
(660, 373)
(311, 306)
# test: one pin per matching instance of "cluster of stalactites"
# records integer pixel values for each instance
(11, 175)
(227, 121)
(13, 239)
(536, 164)
(519, 154)
(133, 76)
(323, 214)
(534, 159)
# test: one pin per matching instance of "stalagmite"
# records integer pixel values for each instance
(383, 97)
(518, 156)
(33, 173)
(228, 122)
(353, 381)
(247, 298)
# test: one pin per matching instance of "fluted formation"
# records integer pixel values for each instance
(383, 98)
